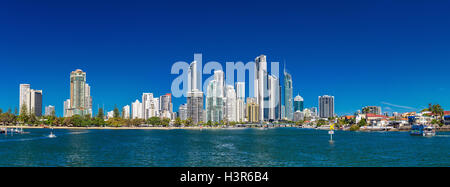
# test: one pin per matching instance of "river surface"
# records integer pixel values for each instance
(281, 147)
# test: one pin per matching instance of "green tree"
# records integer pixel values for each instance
(156, 121)
(24, 117)
(100, 113)
(116, 112)
(178, 122)
(77, 120)
(362, 123)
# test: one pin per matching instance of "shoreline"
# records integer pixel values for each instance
(192, 128)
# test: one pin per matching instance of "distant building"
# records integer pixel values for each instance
(215, 94)
(261, 87)
(195, 106)
(230, 104)
(110, 114)
(80, 99)
(126, 112)
(298, 103)
(372, 110)
(299, 115)
(288, 94)
(166, 107)
(274, 98)
(182, 112)
(252, 110)
(240, 101)
(136, 110)
(30, 99)
(49, 110)
(326, 106)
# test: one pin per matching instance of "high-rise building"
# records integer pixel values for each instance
(49, 110)
(252, 110)
(150, 106)
(126, 112)
(136, 110)
(25, 98)
(371, 110)
(326, 106)
(298, 103)
(240, 101)
(166, 108)
(182, 112)
(80, 99)
(36, 102)
(30, 99)
(215, 98)
(67, 112)
(274, 98)
(288, 92)
(195, 106)
(261, 86)
(194, 77)
(230, 104)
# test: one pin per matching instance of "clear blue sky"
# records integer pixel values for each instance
(393, 54)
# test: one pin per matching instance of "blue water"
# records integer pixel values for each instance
(243, 147)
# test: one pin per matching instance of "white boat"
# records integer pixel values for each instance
(52, 135)
(429, 131)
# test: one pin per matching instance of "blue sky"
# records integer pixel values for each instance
(393, 54)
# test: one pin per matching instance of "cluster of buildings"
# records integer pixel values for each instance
(149, 107)
(229, 102)
(219, 103)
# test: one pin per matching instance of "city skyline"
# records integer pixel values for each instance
(376, 57)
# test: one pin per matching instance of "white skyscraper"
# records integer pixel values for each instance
(230, 104)
(147, 105)
(194, 81)
(261, 86)
(25, 98)
(240, 101)
(215, 98)
(136, 110)
(126, 112)
(274, 98)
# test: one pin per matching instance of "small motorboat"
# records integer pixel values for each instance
(429, 131)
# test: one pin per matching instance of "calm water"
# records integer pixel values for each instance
(244, 147)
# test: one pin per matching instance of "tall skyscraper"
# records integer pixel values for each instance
(194, 77)
(298, 103)
(274, 98)
(36, 102)
(25, 98)
(240, 101)
(261, 86)
(80, 99)
(230, 104)
(288, 92)
(136, 110)
(215, 98)
(30, 99)
(326, 106)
